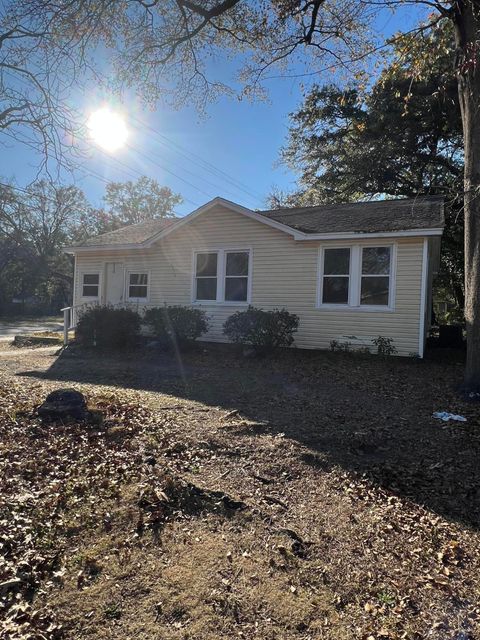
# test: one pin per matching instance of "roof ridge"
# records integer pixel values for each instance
(398, 201)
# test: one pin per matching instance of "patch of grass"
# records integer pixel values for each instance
(384, 597)
(113, 610)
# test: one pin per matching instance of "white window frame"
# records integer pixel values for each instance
(82, 284)
(373, 275)
(194, 273)
(127, 285)
(355, 283)
(335, 305)
(222, 275)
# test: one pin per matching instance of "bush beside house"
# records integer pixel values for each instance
(180, 327)
(176, 325)
(265, 331)
(108, 327)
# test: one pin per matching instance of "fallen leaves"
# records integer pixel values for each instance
(52, 479)
(339, 528)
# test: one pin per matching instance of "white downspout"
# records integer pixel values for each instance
(423, 298)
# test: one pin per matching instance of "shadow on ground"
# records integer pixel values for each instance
(360, 413)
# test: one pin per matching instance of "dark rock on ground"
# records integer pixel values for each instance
(62, 404)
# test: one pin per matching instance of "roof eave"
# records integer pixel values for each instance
(233, 206)
(353, 235)
(95, 248)
(297, 235)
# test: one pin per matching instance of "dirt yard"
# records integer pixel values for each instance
(303, 496)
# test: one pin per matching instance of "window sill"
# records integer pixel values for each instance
(220, 303)
(349, 308)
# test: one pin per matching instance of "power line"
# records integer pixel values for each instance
(195, 159)
(187, 182)
(184, 170)
(207, 166)
(204, 165)
(142, 173)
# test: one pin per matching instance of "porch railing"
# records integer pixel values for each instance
(72, 314)
(70, 318)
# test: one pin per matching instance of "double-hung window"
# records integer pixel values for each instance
(206, 276)
(336, 276)
(90, 285)
(375, 280)
(356, 277)
(137, 286)
(236, 276)
(222, 276)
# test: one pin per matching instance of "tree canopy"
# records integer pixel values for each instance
(38, 221)
(399, 137)
(132, 202)
(161, 49)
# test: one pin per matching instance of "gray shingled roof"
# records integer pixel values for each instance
(358, 217)
(133, 234)
(364, 217)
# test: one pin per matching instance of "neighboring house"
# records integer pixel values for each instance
(351, 272)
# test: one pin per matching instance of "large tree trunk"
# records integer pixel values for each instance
(467, 32)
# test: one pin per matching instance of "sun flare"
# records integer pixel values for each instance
(108, 129)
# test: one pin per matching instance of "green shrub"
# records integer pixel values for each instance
(176, 325)
(263, 330)
(108, 327)
(384, 346)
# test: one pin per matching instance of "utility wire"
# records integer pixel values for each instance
(195, 159)
(199, 161)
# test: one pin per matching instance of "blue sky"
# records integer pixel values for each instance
(233, 151)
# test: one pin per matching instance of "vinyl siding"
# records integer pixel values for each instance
(284, 274)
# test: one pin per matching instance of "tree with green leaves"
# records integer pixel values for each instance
(128, 203)
(132, 202)
(38, 221)
(35, 223)
(400, 137)
(163, 47)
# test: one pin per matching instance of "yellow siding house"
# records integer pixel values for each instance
(351, 272)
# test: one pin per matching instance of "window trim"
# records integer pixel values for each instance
(373, 275)
(225, 276)
(221, 275)
(128, 272)
(100, 284)
(340, 305)
(356, 251)
(195, 277)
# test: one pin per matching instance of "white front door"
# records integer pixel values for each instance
(115, 283)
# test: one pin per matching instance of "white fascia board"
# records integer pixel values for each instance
(100, 248)
(297, 235)
(358, 236)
